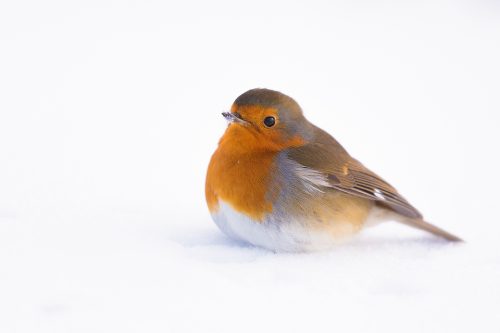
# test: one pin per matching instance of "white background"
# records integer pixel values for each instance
(110, 110)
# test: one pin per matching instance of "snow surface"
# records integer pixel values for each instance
(110, 110)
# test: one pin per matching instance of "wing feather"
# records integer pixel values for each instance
(343, 173)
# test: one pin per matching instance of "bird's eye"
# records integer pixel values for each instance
(269, 121)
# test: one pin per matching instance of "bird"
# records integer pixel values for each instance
(279, 182)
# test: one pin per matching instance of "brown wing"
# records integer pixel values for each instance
(344, 173)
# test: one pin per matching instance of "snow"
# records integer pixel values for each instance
(109, 112)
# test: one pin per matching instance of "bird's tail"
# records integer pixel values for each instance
(422, 225)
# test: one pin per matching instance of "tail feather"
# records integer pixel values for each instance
(423, 225)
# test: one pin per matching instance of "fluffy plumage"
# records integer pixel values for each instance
(292, 186)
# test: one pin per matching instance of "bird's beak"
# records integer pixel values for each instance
(233, 117)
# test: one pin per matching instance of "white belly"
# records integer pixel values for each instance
(289, 236)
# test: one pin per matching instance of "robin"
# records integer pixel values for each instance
(279, 182)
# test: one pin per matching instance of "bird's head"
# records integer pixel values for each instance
(265, 119)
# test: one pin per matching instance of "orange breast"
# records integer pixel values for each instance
(242, 182)
(241, 171)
